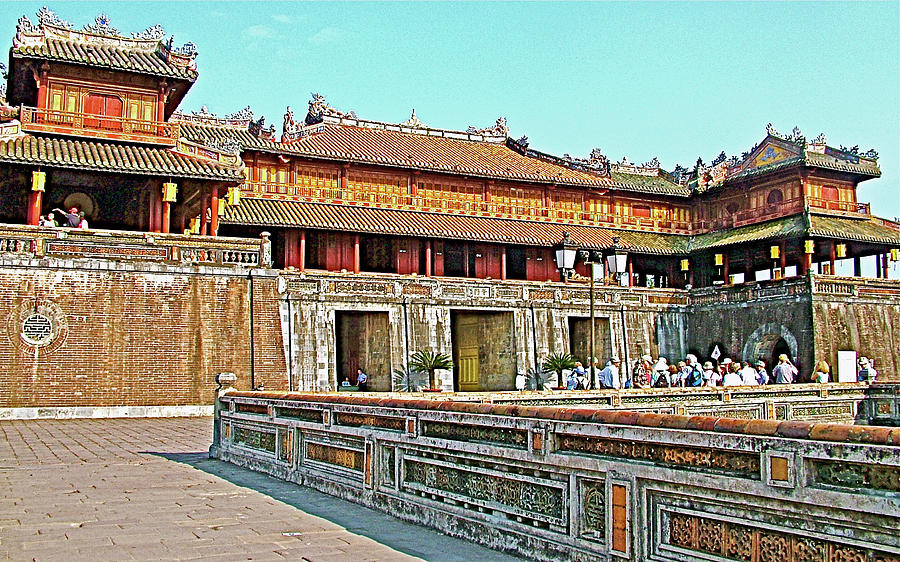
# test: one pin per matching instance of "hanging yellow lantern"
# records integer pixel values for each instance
(685, 264)
(775, 252)
(169, 192)
(38, 181)
(841, 250)
(720, 259)
(234, 196)
(809, 246)
(895, 254)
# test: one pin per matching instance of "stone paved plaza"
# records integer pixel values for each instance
(144, 489)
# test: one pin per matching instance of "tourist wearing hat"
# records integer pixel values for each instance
(73, 219)
(867, 372)
(711, 377)
(609, 376)
(784, 372)
(762, 376)
(643, 372)
(661, 374)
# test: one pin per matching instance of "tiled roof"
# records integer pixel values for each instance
(863, 166)
(825, 226)
(437, 153)
(864, 230)
(107, 56)
(268, 212)
(776, 229)
(202, 134)
(108, 157)
(649, 184)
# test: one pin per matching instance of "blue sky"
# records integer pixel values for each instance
(666, 79)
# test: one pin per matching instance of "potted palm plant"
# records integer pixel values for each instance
(407, 379)
(557, 363)
(429, 361)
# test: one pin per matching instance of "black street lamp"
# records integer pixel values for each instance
(617, 260)
(565, 257)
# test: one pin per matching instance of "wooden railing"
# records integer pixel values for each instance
(582, 482)
(100, 126)
(840, 207)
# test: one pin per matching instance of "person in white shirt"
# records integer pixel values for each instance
(732, 377)
(748, 375)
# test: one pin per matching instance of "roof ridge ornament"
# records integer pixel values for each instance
(101, 26)
(500, 129)
(596, 162)
(413, 122)
(155, 32)
(796, 137)
(319, 111)
(46, 16)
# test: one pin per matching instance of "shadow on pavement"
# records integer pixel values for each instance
(403, 537)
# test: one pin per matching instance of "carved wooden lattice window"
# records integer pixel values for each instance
(452, 196)
(567, 205)
(371, 188)
(318, 182)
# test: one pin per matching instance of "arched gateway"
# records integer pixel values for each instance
(769, 341)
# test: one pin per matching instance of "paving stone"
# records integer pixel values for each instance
(144, 489)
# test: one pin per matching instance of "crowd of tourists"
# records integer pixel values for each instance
(649, 373)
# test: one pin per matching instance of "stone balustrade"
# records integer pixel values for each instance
(584, 482)
(40, 242)
(850, 403)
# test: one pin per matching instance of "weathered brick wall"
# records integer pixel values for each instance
(870, 326)
(133, 335)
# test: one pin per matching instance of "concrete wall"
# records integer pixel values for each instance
(585, 483)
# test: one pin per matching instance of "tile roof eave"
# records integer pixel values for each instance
(187, 77)
(126, 171)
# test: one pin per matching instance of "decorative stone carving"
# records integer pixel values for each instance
(701, 458)
(498, 130)
(482, 488)
(244, 114)
(458, 432)
(254, 439)
(595, 162)
(820, 139)
(593, 510)
(337, 456)
(796, 137)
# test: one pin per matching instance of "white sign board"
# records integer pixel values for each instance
(846, 367)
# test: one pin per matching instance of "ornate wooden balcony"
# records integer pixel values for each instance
(97, 126)
(839, 207)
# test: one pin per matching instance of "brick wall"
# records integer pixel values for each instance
(132, 335)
